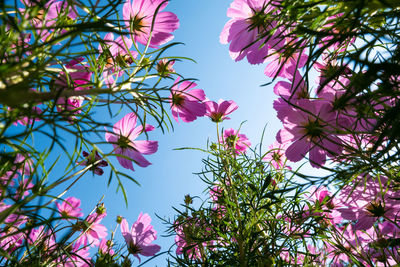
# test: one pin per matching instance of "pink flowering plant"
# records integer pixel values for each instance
(94, 83)
(253, 213)
(342, 122)
(90, 80)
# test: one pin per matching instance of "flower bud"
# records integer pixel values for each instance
(100, 209)
(188, 199)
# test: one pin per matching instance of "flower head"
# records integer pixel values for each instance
(186, 103)
(94, 160)
(105, 247)
(139, 15)
(165, 67)
(76, 77)
(276, 155)
(235, 141)
(123, 139)
(310, 127)
(246, 31)
(140, 236)
(117, 56)
(219, 111)
(91, 230)
(70, 208)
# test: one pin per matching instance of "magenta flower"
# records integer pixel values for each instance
(123, 139)
(186, 103)
(246, 28)
(217, 197)
(94, 160)
(139, 15)
(293, 90)
(235, 141)
(369, 202)
(165, 67)
(49, 16)
(10, 235)
(118, 49)
(11, 238)
(311, 128)
(219, 111)
(40, 237)
(140, 236)
(25, 164)
(322, 199)
(79, 257)
(105, 247)
(188, 232)
(344, 237)
(117, 56)
(183, 245)
(77, 78)
(280, 66)
(92, 233)
(276, 155)
(70, 208)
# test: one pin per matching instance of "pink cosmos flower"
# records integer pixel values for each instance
(14, 219)
(186, 102)
(48, 17)
(77, 78)
(165, 67)
(140, 236)
(188, 231)
(70, 208)
(183, 245)
(11, 238)
(92, 233)
(276, 155)
(293, 90)
(219, 111)
(280, 66)
(322, 199)
(25, 164)
(123, 140)
(94, 159)
(378, 243)
(10, 235)
(138, 16)
(246, 28)
(105, 247)
(79, 257)
(40, 237)
(369, 202)
(235, 141)
(329, 30)
(311, 127)
(346, 238)
(217, 195)
(117, 56)
(29, 120)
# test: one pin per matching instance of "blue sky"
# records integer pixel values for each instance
(170, 177)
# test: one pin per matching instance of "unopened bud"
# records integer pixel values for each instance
(188, 199)
(101, 209)
(119, 219)
(213, 146)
